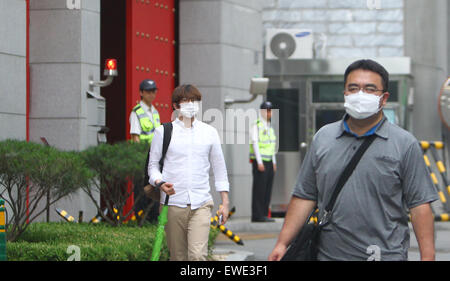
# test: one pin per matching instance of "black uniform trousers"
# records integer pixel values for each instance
(262, 189)
(142, 203)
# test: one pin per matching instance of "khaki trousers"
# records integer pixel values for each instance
(187, 232)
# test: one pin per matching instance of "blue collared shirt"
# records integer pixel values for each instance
(368, 133)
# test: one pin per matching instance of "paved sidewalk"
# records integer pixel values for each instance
(260, 238)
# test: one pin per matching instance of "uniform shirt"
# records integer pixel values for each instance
(371, 210)
(135, 125)
(254, 139)
(191, 153)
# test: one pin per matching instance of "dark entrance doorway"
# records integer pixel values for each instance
(113, 45)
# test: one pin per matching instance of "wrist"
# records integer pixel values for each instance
(159, 183)
(281, 244)
(428, 256)
(225, 199)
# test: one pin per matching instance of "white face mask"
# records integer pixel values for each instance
(189, 109)
(362, 105)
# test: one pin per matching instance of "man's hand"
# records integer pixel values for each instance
(224, 211)
(261, 167)
(135, 138)
(296, 215)
(274, 167)
(166, 187)
(277, 252)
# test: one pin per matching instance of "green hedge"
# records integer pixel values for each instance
(101, 242)
(38, 176)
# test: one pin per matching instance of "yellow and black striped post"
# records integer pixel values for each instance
(117, 213)
(95, 219)
(442, 217)
(65, 215)
(314, 218)
(215, 224)
(215, 219)
(231, 235)
(440, 164)
(98, 217)
(425, 146)
(140, 213)
(232, 211)
(2, 231)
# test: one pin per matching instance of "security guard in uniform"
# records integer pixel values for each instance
(144, 119)
(262, 157)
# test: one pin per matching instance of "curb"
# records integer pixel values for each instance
(245, 225)
(233, 255)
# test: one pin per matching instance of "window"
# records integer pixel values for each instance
(328, 116)
(328, 92)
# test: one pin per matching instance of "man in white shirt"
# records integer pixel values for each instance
(262, 157)
(194, 148)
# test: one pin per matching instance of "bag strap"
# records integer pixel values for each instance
(166, 141)
(348, 172)
(168, 127)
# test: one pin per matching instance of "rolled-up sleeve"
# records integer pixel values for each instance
(218, 164)
(305, 186)
(418, 188)
(155, 155)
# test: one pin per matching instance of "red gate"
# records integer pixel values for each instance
(150, 54)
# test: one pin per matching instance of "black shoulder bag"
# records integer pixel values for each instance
(305, 245)
(150, 190)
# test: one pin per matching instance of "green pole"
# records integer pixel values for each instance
(2, 231)
(162, 220)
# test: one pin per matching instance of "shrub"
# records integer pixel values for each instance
(114, 167)
(30, 172)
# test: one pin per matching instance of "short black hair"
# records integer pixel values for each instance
(370, 65)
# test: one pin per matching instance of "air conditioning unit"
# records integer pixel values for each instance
(289, 44)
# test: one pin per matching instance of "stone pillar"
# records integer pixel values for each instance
(64, 54)
(13, 82)
(220, 51)
(427, 44)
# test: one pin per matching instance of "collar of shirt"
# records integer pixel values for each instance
(264, 122)
(146, 108)
(379, 129)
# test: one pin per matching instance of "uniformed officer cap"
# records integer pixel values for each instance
(147, 85)
(266, 105)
